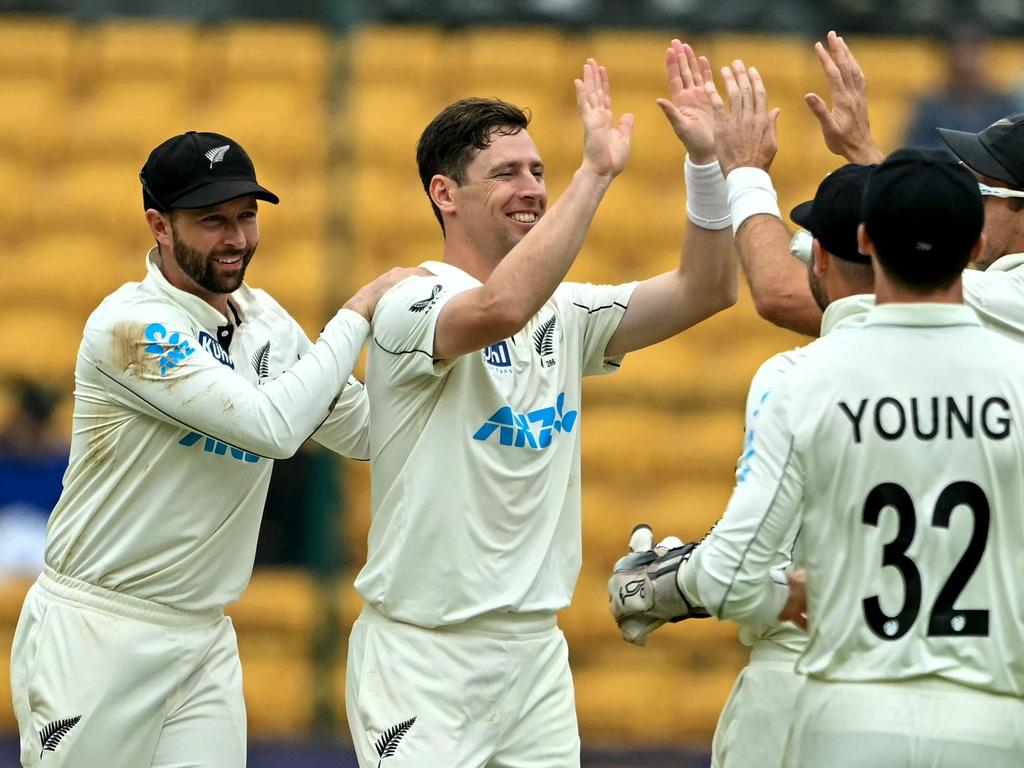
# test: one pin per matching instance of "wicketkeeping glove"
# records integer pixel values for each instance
(643, 589)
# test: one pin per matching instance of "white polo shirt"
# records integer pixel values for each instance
(174, 436)
(897, 446)
(476, 461)
(997, 295)
(840, 313)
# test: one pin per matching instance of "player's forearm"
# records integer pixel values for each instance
(778, 282)
(533, 269)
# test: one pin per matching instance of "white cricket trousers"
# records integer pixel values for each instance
(106, 680)
(752, 728)
(922, 723)
(495, 692)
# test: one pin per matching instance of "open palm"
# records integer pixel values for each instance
(605, 140)
(688, 107)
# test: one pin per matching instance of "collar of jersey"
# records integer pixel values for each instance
(846, 311)
(207, 316)
(441, 269)
(922, 315)
(1006, 263)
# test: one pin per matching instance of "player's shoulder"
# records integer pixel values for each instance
(132, 304)
(416, 295)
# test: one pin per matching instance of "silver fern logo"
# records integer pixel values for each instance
(424, 304)
(52, 735)
(387, 744)
(544, 342)
(261, 362)
(216, 154)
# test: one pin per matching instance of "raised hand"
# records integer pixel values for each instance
(605, 141)
(688, 107)
(845, 125)
(746, 135)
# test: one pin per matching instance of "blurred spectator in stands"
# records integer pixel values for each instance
(33, 457)
(968, 101)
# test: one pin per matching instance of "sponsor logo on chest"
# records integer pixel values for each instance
(211, 345)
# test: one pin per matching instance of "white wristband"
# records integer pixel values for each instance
(707, 204)
(750, 193)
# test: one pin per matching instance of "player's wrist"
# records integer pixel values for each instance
(707, 201)
(750, 193)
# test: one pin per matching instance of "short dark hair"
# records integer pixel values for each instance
(446, 145)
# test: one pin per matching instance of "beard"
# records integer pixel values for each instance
(201, 269)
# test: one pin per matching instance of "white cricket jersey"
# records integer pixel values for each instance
(997, 295)
(840, 313)
(897, 446)
(174, 436)
(476, 460)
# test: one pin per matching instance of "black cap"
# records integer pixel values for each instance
(923, 212)
(196, 170)
(834, 213)
(997, 151)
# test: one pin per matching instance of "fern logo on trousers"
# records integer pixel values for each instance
(387, 744)
(52, 735)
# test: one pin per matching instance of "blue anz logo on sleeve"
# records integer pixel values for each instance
(498, 357)
(177, 347)
(218, 448)
(528, 430)
(211, 345)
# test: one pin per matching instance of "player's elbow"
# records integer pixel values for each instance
(774, 308)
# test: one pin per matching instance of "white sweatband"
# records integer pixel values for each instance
(707, 204)
(750, 193)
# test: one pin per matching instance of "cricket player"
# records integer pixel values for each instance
(188, 385)
(474, 376)
(995, 155)
(894, 447)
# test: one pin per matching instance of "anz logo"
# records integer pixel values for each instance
(497, 356)
(211, 345)
(172, 349)
(528, 430)
(218, 448)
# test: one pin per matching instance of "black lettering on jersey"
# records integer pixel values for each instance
(916, 418)
(966, 422)
(854, 417)
(890, 416)
(895, 409)
(1003, 422)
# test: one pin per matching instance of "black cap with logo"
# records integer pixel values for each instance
(997, 151)
(834, 213)
(197, 170)
(923, 209)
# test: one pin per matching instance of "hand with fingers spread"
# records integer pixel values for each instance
(605, 141)
(745, 136)
(688, 107)
(845, 125)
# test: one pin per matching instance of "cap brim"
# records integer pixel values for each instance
(968, 148)
(803, 214)
(223, 190)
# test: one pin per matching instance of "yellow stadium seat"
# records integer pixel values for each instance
(40, 341)
(387, 207)
(278, 613)
(403, 56)
(900, 66)
(635, 60)
(1005, 62)
(126, 120)
(383, 122)
(101, 197)
(33, 122)
(541, 61)
(278, 693)
(249, 56)
(279, 125)
(161, 53)
(16, 193)
(297, 274)
(38, 48)
(781, 60)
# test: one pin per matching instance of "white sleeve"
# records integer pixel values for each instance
(152, 362)
(995, 296)
(597, 310)
(347, 429)
(403, 327)
(732, 575)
